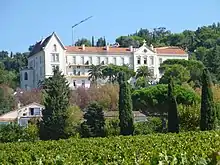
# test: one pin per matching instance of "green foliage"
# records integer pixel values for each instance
(184, 148)
(56, 102)
(73, 121)
(152, 125)
(101, 42)
(112, 127)
(13, 133)
(82, 41)
(141, 82)
(31, 132)
(182, 71)
(125, 107)
(94, 124)
(153, 100)
(177, 72)
(173, 119)
(111, 72)
(208, 114)
(7, 101)
(189, 117)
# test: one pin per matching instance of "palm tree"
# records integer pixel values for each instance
(142, 76)
(143, 71)
(95, 72)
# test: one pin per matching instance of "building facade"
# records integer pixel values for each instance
(75, 61)
(23, 114)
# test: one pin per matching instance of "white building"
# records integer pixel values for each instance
(75, 61)
(23, 114)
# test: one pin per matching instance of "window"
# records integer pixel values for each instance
(55, 57)
(98, 60)
(74, 83)
(160, 60)
(40, 59)
(26, 86)
(31, 64)
(25, 76)
(106, 60)
(74, 60)
(122, 61)
(151, 70)
(83, 83)
(37, 111)
(82, 60)
(138, 60)
(114, 60)
(66, 59)
(31, 111)
(74, 71)
(40, 71)
(90, 60)
(145, 60)
(54, 47)
(151, 60)
(34, 63)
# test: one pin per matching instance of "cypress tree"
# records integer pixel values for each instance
(93, 41)
(125, 107)
(208, 114)
(94, 124)
(56, 101)
(173, 120)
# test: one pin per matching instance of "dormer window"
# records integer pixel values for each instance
(54, 47)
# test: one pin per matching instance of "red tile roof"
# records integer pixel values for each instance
(170, 50)
(160, 50)
(78, 49)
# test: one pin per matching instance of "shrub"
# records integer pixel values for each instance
(112, 127)
(152, 125)
(189, 117)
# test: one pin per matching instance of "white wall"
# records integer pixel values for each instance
(48, 57)
(37, 62)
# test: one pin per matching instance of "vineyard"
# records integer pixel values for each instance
(184, 148)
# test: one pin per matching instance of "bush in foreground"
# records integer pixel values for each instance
(182, 148)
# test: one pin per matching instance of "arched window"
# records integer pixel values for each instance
(25, 76)
(55, 47)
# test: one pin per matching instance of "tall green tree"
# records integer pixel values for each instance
(56, 101)
(94, 124)
(93, 41)
(125, 107)
(173, 119)
(208, 114)
(101, 42)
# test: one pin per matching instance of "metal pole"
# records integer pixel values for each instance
(72, 37)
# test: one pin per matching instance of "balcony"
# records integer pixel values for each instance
(79, 64)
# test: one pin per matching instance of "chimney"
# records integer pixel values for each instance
(131, 48)
(83, 47)
(107, 47)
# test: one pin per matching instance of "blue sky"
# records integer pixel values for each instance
(23, 22)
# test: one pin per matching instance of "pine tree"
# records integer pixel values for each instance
(56, 102)
(125, 107)
(93, 41)
(94, 123)
(173, 119)
(208, 114)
